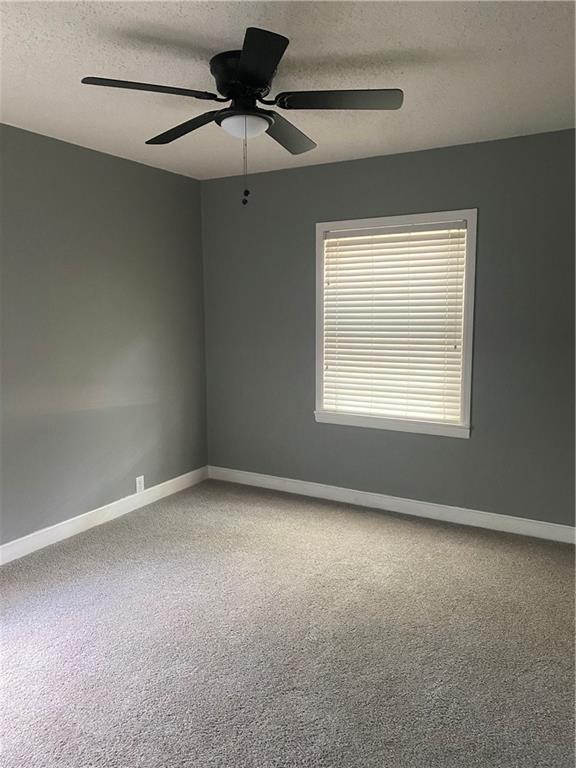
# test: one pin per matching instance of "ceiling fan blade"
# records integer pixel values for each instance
(389, 98)
(261, 54)
(184, 128)
(150, 87)
(290, 137)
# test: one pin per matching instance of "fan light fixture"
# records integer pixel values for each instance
(245, 126)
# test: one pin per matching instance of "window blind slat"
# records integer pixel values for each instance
(395, 376)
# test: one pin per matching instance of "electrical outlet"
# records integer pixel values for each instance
(140, 484)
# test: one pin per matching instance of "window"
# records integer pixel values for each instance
(394, 324)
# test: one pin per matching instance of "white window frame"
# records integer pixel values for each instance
(403, 425)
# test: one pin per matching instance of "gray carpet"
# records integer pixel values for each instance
(234, 627)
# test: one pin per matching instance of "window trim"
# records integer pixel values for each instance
(461, 430)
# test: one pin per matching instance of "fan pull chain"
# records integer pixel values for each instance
(245, 164)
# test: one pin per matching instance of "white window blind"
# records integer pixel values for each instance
(393, 322)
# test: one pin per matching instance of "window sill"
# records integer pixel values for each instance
(398, 425)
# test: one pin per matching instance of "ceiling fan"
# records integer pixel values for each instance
(244, 78)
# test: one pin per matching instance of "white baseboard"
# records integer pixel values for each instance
(12, 550)
(473, 517)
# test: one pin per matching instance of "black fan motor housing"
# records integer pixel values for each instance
(229, 82)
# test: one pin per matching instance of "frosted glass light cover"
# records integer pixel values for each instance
(235, 125)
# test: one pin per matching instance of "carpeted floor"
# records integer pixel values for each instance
(237, 628)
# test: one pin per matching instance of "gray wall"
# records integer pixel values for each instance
(259, 277)
(103, 373)
(102, 328)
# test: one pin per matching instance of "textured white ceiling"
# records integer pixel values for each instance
(470, 71)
